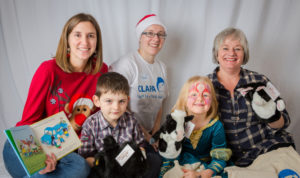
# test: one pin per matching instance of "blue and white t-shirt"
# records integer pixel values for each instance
(148, 86)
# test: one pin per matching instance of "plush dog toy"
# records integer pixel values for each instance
(265, 101)
(171, 134)
(79, 109)
(106, 165)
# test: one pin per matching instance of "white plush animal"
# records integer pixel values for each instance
(264, 106)
(171, 134)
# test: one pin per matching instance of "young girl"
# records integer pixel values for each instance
(206, 143)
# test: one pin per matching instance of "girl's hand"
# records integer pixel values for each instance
(50, 164)
(189, 173)
(207, 173)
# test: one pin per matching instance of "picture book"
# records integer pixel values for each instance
(31, 143)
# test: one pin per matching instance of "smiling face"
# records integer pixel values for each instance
(113, 105)
(151, 46)
(82, 43)
(230, 54)
(199, 98)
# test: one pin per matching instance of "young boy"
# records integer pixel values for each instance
(112, 96)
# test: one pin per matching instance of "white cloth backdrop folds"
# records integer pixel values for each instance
(30, 30)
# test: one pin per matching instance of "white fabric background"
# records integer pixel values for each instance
(30, 30)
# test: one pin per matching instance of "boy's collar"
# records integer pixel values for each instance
(104, 123)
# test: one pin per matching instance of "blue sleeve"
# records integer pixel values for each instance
(218, 142)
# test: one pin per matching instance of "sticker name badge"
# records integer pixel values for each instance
(124, 155)
(272, 91)
(189, 127)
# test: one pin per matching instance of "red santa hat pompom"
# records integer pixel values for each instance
(80, 99)
(145, 22)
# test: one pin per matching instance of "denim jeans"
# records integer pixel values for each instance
(72, 165)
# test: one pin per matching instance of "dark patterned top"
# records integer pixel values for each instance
(247, 136)
(96, 128)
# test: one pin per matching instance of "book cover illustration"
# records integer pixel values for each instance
(56, 135)
(29, 149)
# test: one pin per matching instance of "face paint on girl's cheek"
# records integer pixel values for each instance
(192, 99)
(207, 101)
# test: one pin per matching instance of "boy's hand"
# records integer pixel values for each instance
(143, 152)
(50, 164)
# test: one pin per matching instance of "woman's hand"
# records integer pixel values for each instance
(277, 124)
(155, 146)
(50, 164)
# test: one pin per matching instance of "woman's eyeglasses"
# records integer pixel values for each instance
(152, 35)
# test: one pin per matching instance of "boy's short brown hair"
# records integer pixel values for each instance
(112, 82)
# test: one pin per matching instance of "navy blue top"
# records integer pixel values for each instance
(246, 135)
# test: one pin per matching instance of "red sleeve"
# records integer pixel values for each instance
(34, 109)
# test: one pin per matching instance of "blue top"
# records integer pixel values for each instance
(205, 140)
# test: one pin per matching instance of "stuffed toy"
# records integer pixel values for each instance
(78, 109)
(107, 166)
(265, 101)
(177, 172)
(170, 137)
(171, 134)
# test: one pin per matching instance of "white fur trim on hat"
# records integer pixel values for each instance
(84, 101)
(145, 22)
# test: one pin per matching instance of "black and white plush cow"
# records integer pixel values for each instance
(171, 134)
(265, 101)
(107, 166)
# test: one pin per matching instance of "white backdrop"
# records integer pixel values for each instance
(30, 30)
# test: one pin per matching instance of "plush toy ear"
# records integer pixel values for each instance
(248, 90)
(109, 143)
(188, 118)
(67, 108)
(244, 90)
(170, 124)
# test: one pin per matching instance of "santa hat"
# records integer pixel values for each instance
(80, 99)
(145, 22)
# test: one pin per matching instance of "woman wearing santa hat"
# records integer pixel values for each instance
(75, 69)
(146, 74)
